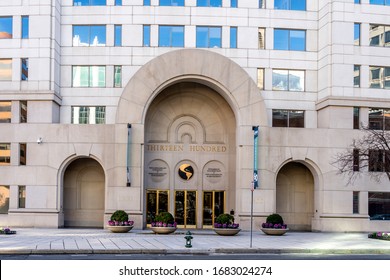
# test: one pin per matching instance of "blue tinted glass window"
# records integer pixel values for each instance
(281, 4)
(233, 3)
(80, 35)
(25, 27)
(171, 2)
(357, 1)
(233, 37)
(208, 37)
(118, 2)
(281, 40)
(24, 69)
(297, 40)
(5, 27)
(89, 2)
(298, 5)
(209, 3)
(80, 2)
(118, 35)
(171, 36)
(356, 36)
(146, 2)
(377, 2)
(146, 34)
(97, 35)
(89, 35)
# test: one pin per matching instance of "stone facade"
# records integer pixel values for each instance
(188, 110)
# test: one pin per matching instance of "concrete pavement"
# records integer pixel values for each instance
(98, 241)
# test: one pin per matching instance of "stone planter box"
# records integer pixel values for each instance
(163, 230)
(274, 231)
(227, 231)
(119, 229)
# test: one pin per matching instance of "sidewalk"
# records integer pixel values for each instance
(100, 241)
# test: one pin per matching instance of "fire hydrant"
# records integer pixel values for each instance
(188, 239)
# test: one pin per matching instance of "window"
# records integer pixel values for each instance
(146, 2)
(209, 3)
(356, 118)
(298, 5)
(290, 80)
(24, 71)
(286, 39)
(22, 197)
(146, 36)
(89, 76)
(118, 2)
(262, 4)
(379, 77)
(208, 37)
(356, 34)
(380, 2)
(5, 111)
(288, 118)
(378, 161)
(355, 202)
(233, 3)
(379, 35)
(117, 76)
(233, 37)
(379, 119)
(22, 153)
(5, 27)
(171, 2)
(356, 75)
(5, 69)
(379, 205)
(356, 160)
(89, 2)
(118, 35)
(5, 154)
(25, 27)
(357, 1)
(23, 111)
(171, 36)
(89, 35)
(261, 38)
(260, 78)
(88, 115)
(4, 199)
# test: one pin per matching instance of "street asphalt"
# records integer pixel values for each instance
(102, 241)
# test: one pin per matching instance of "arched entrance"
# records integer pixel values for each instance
(295, 196)
(190, 155)
(84, 187)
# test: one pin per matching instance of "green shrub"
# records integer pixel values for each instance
(165, 217)
(120, 216)
(225, 219)
(275, 219)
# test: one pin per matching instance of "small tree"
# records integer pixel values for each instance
(370, 153)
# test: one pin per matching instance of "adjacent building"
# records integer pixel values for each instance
(151, 106)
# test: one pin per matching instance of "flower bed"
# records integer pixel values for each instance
(218, 225)
(119, 223)
(7, 230)
(379, 235)
(271, 225)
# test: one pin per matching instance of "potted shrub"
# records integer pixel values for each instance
(7, 230)
(225, 225)
(119, 222)
(164, 223)
(274, 225)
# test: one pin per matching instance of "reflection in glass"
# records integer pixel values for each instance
(89, 76)
(5, 27)
(380, 2)
(118, 35)
(261, 38)
(4, 198)
(171, 36)
(356, 75)
(288, 118)
(89, 35)
(356, 34)
(24, 72)
(379, 205)
(5, 69)
(185, 208)
(281, 41)
(22, 197)
(171, 2)
(88, 115)
(5, 154)
(89, 2)
(117, 76)
(233, 3)
(5, 111)
(233, 37)
(293, 40)
(298, 5)
(22, 153)
(156, 202)
(260, 78)
(379, 119)
(25, 27)
(296, 80)
(23, 111)
(146, 35)
(208, 37)
(209, 3)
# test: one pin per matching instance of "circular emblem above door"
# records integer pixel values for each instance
(186, 171)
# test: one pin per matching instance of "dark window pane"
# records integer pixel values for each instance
(379, 205)
(356, 118)
(279, 118)
(355, 203)
(296, 119)
(356, 160)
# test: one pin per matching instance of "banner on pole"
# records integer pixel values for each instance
(255, 151)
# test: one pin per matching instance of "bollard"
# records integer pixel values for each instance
(188, 239)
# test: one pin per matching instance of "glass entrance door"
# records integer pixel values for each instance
(213, 205)
(185, 208)
(156, 202)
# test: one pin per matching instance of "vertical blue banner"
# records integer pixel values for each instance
(255, 152)
(128, 184)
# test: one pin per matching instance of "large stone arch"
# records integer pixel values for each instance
(192, 65)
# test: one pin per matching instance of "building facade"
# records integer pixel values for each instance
(151, 106)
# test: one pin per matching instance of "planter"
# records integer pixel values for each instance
(163, 230)
(274, 231)
(227, 231)
(120, 229)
